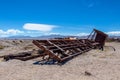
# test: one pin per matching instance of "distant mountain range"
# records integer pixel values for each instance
(38, 37)
(114, 36)
(42, 37)
(50, 37)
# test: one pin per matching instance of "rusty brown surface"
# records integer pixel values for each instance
(62, 50)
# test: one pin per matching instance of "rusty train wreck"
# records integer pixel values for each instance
(61, 50)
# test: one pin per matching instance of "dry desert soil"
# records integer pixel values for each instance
(92, 65)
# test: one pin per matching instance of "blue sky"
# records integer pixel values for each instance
(66, 17)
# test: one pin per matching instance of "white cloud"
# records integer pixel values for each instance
(114, 33)
(39, 27)
(83, 34)
(10, 32)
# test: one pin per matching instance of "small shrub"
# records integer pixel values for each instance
(21, 41)
(15, 42)
(2, 47)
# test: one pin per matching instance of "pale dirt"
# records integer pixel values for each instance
(103, 65)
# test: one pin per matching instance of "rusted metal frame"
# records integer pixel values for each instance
(68, 47)
(71, 48)
(13, 56)
(46, 51)
(86, 44)
(55, 45)
(63, 45)
(29, 57)
(62, 51)
(90, 34)
(70, 56)
(92, 38)
(62, 59)
(74, 50)
(99, 39)
(64, 41)
(77, 42)
(56, 42)
(73, 41)
(73, 55)
(82, 44)
(22, 56)
(43, 42)
(91, 44)
(79, 51)
(58, 48)
(77, 46)
(97, 31)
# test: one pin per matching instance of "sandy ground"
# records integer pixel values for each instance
(102, 65)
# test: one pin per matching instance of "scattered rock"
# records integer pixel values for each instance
(87, 73)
